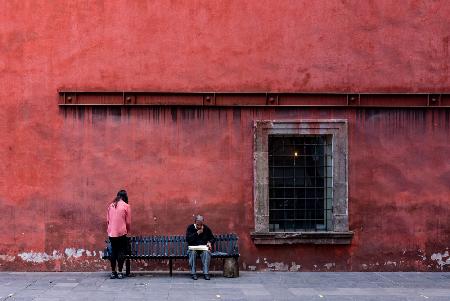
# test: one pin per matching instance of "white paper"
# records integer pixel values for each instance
(199, 248)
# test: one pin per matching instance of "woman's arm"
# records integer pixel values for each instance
(128, 219)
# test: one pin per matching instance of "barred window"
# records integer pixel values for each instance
(300, 183)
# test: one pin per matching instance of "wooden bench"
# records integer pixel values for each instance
(175, 247)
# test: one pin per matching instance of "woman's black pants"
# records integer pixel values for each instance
(119, 247)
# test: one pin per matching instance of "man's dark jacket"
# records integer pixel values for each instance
(193, 239)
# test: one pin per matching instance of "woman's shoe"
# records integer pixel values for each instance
(113, 275)
(120, 275)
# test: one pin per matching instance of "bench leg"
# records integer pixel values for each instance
(170, 267)
(127, 267)
(231, 267)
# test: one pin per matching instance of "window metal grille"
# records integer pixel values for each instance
(300, 183)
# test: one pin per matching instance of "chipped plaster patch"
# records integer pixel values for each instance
(72, 252)
(278, 266)
(440, 259)
(252, 267)
(329, 265)
(8, 258)
(390, 263)
(38, 257)
(294, 267)
(422, 255)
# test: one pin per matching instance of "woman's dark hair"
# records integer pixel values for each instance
(121, 195)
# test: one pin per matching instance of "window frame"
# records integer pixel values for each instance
(337, 128)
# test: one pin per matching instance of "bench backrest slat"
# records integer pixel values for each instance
(176, 245)
(158, 245)
(165, 245)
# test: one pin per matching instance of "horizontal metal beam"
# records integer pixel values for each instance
(226, 99)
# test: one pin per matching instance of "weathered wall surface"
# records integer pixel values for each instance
(230, 45)
(177, 162)
(60, 168)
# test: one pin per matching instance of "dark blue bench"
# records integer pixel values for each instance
(173, 247)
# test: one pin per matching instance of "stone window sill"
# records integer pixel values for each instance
(318, 238)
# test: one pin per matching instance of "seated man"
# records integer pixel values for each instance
(199, 234)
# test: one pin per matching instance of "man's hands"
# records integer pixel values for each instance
(209, 246)
(200, 231)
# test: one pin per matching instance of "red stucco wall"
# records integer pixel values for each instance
(60, 168)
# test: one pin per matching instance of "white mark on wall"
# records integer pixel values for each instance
(257, 260)
(277, 266)
(8, 258)
(252, 267)
(329, 265)
(72, 252)
(294, 267)
(390, 263)
(422, 255)
(440, 259)
(39, 257)
(364, 266)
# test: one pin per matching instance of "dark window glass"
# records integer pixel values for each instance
(300, 183)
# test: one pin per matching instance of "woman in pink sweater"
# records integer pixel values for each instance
(119, 220)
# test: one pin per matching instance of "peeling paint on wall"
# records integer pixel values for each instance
(38, 257)
(440, 259)
(72, 252)
(422, 255)
(295, 267)
(277, 266)
(5, 257)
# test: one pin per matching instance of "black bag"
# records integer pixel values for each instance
(108, 250)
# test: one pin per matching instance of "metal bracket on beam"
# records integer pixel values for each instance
(272, 99)
(434, 100)
(209, 99)
(129, 99)
(353, 99)
(70, 98)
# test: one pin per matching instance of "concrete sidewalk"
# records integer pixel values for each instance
(250, 286)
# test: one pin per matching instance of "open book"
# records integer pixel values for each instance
(199, 248)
